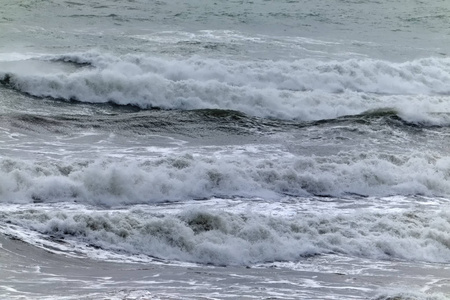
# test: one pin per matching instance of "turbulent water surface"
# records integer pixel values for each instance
(224, 149)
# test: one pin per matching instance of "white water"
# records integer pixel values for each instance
(329, 182)
(235, 172)
(302, 89)
(230, 232)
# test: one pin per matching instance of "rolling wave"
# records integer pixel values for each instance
(302, 90)
(218, 237)
(239, 173)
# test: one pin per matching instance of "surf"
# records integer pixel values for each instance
(303, 90)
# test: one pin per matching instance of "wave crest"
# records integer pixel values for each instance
(303, 89)
(112, 182)
(226, 238)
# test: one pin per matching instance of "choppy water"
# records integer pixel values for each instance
(308, 137)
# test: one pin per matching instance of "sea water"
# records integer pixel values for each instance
(224, 149)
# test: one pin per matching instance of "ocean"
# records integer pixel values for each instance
(175, 149)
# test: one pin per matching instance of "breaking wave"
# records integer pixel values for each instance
(305, 89)
(224, 238)
(190, 176)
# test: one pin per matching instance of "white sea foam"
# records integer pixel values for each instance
(408, 295)
(16, 56)
(303, 89)
(221, 237)
(113, 181)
